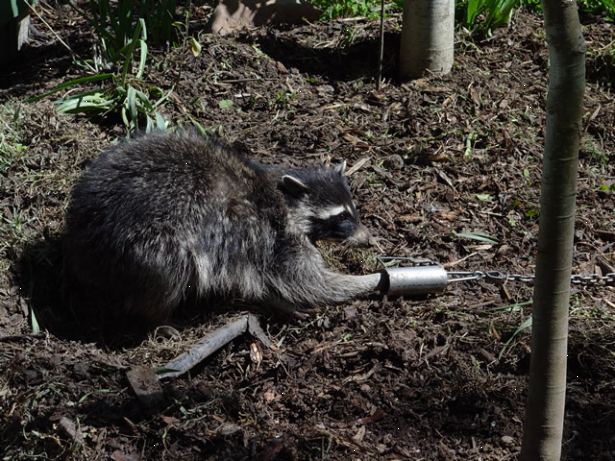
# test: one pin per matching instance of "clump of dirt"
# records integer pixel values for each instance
(436, 161)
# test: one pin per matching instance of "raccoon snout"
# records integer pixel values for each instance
(360, 237)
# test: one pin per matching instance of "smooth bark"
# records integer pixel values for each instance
(544, 417)
(427, 38)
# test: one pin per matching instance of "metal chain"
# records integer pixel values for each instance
(500, 277)
(411, 261)
(607, 279)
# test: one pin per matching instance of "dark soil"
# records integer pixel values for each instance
(438, 378)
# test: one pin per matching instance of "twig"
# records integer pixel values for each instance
(358, 165)
(245, 80)
(255, 329)
(381, 56)
(36, 13)
(27, 337)
(459, 261)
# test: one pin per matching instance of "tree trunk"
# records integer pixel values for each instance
(427, 38)
(544, 418)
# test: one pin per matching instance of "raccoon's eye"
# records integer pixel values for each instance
(343, 216)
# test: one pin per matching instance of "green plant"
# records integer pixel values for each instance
(477, 236)
(13, 9)
(482, 16)
(598, 7)
(114, 23)
(485, 15)
(607, 187)
(524, 326)
(595, 152)
(11, 149)
(478, 16)
(605, 7)
(124, 92)
(347, 8)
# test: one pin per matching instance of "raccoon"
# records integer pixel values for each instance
(167, 217)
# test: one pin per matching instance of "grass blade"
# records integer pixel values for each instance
(85, 103)
(142, 49)
(34, 325)
(525, 325)
(70, 84)
(478, 236)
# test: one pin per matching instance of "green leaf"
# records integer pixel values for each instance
(525, 325)
(129, 49)
(14, 8)
(532, 213)
(469, 145)
(484, 197)
(225, 104)
(164, 97)
(131, 104)
(69, 84)
(199, 127)
(472, 11)
(143, 29)
(85, 102)
(142, 58)
(161, 122)
(195, 47)
(478, 236)
(34, 325)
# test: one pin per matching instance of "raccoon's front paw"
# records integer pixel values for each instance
(287, 309)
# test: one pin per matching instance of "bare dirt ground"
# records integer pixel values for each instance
(437, 378)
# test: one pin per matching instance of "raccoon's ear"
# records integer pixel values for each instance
(341, 168)
(293, 185)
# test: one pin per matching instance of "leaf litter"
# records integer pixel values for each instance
(433, 161)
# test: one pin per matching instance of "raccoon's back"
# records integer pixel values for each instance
(164, 213)
(153, 180)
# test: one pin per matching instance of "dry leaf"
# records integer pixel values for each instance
(256, 355)
(358, 437)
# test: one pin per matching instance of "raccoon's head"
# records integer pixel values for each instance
(320, 205)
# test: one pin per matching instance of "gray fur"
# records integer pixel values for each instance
(170, 216)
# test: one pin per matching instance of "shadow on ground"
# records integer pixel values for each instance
(39, 274)
(345, 63)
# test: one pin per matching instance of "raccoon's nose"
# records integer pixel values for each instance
(360, 236)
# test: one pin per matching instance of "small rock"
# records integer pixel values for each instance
(146, 386)
(350, 312)
(228, 429)
(393, 162)
(233, 15)
(32, 376)
(119, 455)
(507, 440)
(504, 250)
(360, 435)
(68, 427)
(166, 332)
(81, 370)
